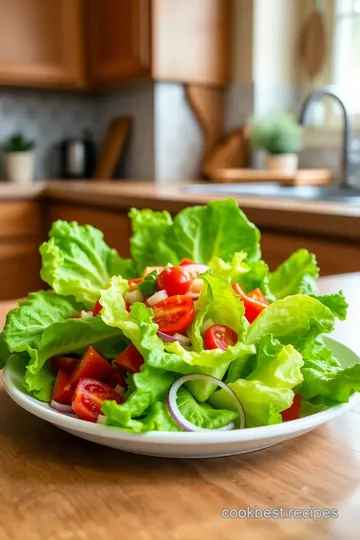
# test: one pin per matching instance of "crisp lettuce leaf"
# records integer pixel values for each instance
(325, 381)
(26, 323)
(70, 336)
(336, 303)
(292, 320)
(297, 274)
(202, 414)
(232, 270)
(217, 229)
(198, 233)
(219, 303)
(158, 418)
(257, 277)
(146, 244)
(148, 284)
(262, 404)
(4, 351)
(76, 261)
(268, 390)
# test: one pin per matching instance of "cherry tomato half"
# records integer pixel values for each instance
(220, 336)
(174, 314)
(62, 392)
(115, 378)
(89, 395)
(130, 359)
(63, 363)
(97, 308)
(293, 412)
(175, 280)
(92, 365)
(257, 295)
(252, 306)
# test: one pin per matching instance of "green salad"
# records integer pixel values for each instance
(193, 333)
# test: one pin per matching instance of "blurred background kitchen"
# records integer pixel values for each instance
(175, 74)
(97, 96)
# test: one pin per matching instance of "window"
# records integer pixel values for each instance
(346, 52)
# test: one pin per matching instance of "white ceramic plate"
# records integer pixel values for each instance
(180, 445)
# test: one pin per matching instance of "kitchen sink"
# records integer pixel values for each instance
(266, 189)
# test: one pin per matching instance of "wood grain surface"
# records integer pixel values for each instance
(57, 487)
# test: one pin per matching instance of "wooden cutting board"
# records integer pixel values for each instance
(303, 177)
(112, 147)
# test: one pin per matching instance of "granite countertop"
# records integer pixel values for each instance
(334, 219)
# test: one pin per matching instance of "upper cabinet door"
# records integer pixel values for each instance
(41, 43)
(119, 37)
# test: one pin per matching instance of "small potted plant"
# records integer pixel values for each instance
(19, 159)
(281, 137)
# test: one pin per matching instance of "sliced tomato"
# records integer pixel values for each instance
(89, 395)
(293, 412)
(115, 378)
(220, 336)
(63, 363)
(92, 365)
(174, 280)
(97, 308)
(257, 295)
(62, 392)
(253, 307)
(130, 359)
(186, 261)
(135, 281)
(174, 314)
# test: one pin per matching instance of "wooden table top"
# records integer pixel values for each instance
(56, 487)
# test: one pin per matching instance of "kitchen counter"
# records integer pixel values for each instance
(330, 219)
(59, 487)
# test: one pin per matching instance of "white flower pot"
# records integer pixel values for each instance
(284, 163)
(19, 167)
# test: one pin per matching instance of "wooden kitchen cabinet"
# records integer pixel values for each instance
(167, 40)
(20, 237)
(41, 43)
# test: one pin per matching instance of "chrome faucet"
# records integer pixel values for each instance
(349, 164)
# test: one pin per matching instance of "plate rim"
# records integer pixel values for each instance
(42, 410)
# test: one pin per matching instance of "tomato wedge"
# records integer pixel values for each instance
(115, 378)
(174, 280)
(174, 314)
(130, 359)
(220, 336)
(63, 363)
(293, 412)
(257, 295)
(92, 365)
(253, 307)
(62, 392)
(97, 308)
(89, 395)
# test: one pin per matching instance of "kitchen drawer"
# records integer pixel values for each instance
(114, 224)
(334, 257)
(19, 219)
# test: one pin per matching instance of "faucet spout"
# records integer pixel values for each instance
(347, 179)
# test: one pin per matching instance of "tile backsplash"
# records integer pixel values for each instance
(47, 117)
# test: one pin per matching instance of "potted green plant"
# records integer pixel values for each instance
(281, 137)
(19, 159)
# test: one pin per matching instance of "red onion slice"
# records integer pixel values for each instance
(183, 340)
(184, 422)
(101, 420)
(60, 407)
(165, 337)
(194, 296)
